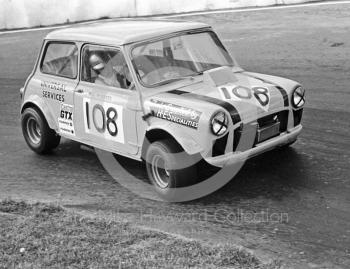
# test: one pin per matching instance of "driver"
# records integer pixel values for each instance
(104, 75)
(96, 63)
(115, 73)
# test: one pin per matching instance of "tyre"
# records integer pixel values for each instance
(166, 164)
(37, 133)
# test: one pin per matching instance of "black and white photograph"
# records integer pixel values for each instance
(175, 134)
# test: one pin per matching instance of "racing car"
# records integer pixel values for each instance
(159, 91)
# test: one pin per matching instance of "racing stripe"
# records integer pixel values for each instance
(282, 91)
(225, 105)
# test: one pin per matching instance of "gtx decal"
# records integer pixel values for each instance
(65, 120)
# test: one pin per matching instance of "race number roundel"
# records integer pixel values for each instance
(103, 119)
(256, 95)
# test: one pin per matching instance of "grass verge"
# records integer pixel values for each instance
(46, 236)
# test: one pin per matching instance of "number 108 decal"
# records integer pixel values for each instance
(258, 95)
(103, 119)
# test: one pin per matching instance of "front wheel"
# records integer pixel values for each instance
(169, 167)
(37, 133)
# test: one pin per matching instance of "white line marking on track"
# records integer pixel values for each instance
(235, 10)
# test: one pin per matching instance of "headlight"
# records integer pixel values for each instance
(219, 123)
(298, 98)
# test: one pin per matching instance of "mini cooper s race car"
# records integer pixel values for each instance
(152, 89)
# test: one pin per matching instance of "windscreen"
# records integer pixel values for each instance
(174, 58)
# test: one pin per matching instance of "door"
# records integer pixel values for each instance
(105, 101)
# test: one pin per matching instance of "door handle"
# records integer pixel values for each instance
(80, 91)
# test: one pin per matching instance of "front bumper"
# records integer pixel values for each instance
(239, 156)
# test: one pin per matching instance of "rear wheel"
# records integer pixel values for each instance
(169, 167)
(37, 133)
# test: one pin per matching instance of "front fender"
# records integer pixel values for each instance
(34, 100)
(186, 141)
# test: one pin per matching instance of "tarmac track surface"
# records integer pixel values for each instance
(307, 185)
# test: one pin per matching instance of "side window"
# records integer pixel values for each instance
(60, 59)
(105, 66)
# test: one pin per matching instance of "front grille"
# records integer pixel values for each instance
(220, 146)
(297, 114)
(268, 121)
(237, 136)
(281, 116)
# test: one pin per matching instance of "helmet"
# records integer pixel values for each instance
(96, 62)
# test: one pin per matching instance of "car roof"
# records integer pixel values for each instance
(123, 31)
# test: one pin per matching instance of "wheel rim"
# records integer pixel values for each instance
(33, 130)
(160, 174)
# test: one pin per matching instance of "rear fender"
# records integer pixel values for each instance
(35, 101)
